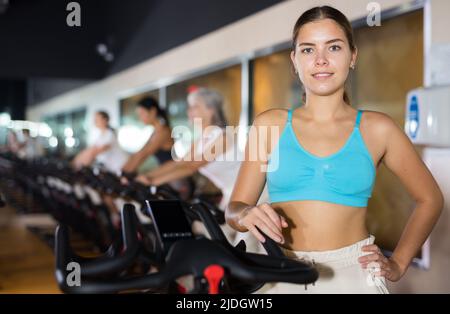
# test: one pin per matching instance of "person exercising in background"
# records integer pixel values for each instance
(160, 142)
(105, 148)
(159, 145)
(12, 143)
(319, 186)
(30, 147)
(205, 106)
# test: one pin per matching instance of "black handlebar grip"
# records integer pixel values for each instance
(271, 247)
(208, 220)
(129, 223)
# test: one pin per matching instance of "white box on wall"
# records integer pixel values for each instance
(427, 120)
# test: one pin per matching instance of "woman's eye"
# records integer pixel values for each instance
(335, 48)
(306, 50)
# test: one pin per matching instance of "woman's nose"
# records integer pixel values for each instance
(321, 59)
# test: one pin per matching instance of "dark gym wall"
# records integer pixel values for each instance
(13, 98)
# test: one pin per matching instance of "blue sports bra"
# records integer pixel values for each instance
(346, 177)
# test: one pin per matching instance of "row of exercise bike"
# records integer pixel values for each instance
(154, 245)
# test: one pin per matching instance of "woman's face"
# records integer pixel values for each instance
(322, 47)
(198, 109)
(100, 122)
(147, 116)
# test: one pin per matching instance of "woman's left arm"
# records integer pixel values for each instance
(182, 169)
(403, 160)
(96, 150)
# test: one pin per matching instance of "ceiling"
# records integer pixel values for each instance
(37, 42)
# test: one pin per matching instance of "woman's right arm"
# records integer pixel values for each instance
(242, 213)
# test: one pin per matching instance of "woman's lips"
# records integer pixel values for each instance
(322, 75)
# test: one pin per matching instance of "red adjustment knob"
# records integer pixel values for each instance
(214, 274)
(181, 289)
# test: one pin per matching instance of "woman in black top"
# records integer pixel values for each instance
(160, 142)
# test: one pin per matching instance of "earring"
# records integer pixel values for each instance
(295, 70)
(352, 66)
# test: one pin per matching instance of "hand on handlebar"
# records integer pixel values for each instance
(264, 217)
(143, 179)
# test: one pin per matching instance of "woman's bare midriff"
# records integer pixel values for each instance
(321, 226)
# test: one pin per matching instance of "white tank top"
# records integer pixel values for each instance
(114, 158)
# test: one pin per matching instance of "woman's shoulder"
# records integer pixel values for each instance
(378, 122)
(271, 117)
(164, 132)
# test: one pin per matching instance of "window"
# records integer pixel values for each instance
(69, 134)
(226, 81)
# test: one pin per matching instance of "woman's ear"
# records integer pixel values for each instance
(293, 61)
(354, 56)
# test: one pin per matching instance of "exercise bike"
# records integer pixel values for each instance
(216, 266)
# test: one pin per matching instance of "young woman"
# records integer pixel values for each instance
(322, 166)
(159, 145)
(105, 148)
(30, 147)
(160, 142)
(12, 142)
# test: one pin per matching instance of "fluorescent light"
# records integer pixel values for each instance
(70, 142)
(5, 118)
(68, 132)
(53, 141)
